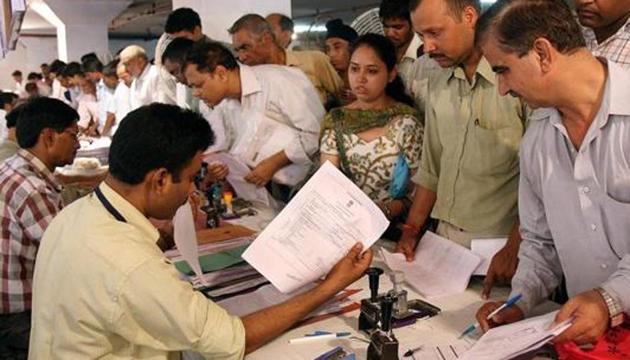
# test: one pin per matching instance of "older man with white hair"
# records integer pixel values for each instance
(143, 89)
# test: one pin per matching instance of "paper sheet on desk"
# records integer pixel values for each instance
(509, 341)
(267, 296)
(486, 249)
(238, 171)
(185, 238)
(443, 351)
(316, 229)
(441, 266)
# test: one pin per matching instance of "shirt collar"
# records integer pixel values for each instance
(131, 214)
(412, 49)
(41, 169)
(249, 82)
(618, 78)
(145, 71)
(483, 68)
(591, 39)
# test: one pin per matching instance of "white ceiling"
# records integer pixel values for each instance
(146, 18)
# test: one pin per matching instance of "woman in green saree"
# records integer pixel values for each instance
(377, 139)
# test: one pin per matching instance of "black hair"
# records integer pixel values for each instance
(92, 65)
(337, 29)
(57, 66)
(177, 50)
(4, 99)
(386, 51)
(30, 87)
(516, 24)
(88, 56)
(182, 19)
(207, 55)
(109, 70)
(34, 76)
(44, 65)
(41, 113)
(456, 7)
(157, 136)
(72, 69)
(394, 9)
(16, 73)
(8, 97)
(13, 116)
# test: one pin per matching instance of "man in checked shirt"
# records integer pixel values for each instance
(606, 28)
(30, 197)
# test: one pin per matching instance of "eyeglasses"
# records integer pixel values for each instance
(74, 134)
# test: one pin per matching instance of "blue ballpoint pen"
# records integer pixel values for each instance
(471, 328)
(507, 304)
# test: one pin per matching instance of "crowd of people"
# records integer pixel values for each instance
(504, 123)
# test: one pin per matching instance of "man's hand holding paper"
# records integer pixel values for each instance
(590, 318)
(315, 230)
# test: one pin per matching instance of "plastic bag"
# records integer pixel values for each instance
(614, 345)
(400, 178)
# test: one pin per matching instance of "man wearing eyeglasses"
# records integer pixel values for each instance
(30, 197)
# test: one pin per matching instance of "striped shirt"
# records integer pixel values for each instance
(30, 197)
(616, 48)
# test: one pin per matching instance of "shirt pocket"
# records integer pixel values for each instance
(615, 215)
(492, 151)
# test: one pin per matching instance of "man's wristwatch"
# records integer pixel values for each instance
(614, 309)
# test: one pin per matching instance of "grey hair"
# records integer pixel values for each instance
(253, 23)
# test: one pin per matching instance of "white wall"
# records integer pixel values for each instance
(28, 55)
(32, 51)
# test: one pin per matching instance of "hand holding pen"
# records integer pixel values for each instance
(496, 313)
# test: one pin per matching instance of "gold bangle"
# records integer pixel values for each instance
(387, 211)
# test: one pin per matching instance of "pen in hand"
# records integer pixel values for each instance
(472, 327)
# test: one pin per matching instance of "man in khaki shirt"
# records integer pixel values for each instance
(468, 176)
(102, 286)
(254, 42)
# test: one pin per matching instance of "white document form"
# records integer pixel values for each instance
(486, 249)
(315, 230)
(185, 237)
(441, 267)
(236, 178)
(508, 341)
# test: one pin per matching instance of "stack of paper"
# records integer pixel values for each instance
(441, 267)
(509, 341)
(267, 296)
(315, 230)
(212, 247)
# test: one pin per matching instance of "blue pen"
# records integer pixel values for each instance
(321, 337)
(507, 304)
(471, 328)
(318, 332)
